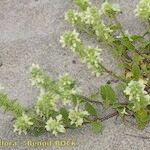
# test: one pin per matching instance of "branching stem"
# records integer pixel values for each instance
(112, 73)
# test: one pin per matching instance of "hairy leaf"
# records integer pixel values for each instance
(136, 71)
(108, 95)
(90, 109)
(142, 118)
(97, 126)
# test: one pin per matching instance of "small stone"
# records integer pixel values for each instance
(73, 61)
(1, 63)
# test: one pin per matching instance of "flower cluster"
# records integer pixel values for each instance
(89, 55)
(91, 18)
(74, 18)
(39, 79)
(66, 88)
(93, 59)
(55, 125)
(77, 116)
(71, 39)
(143, 9)
(138, 97)
(23, 124)
(46, 105)
(110, 10)
(62, 89)
(36, 75)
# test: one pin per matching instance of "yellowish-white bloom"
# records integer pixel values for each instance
(135, 89)
(66, 88)
(73, 17)
(138, 97)
(70, 39)
(23, 124)
(77, 116)
(36, 75)
(55, 125)
(46, 105)
(123, 112)
(91, 16)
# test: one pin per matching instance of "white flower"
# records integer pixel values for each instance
(123, 112)
(46, 105)
(55, 125)
(90, 16)
(73, 17)
(93, 59)
(37, 75)
(138, 97)
(70, 39)
(135, 89)
(66, 88)
(23, 124)
(77, 116)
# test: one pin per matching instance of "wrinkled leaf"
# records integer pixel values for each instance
(64, 113)
(97, 126)
(127, 43)
(90, 109)
(142, 118)
(108, 95)
(136, 71)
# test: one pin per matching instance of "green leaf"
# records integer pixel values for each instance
(38, 131)
(90, 109)
(97, 126)
(11, 105)
(38, 127)
(120, 109)
(95, 95)
(127, 43)
(137, 58)
(145, 45)
(137, 38)
(108, 95)
(136, 71)
(64, 113)
(142, 118)
(82, 4)
(115, 27)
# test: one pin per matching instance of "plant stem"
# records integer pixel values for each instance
(112, 73)
(89, 100)
(139, 136)
(145, 34)
(106, 117)
(97, 102)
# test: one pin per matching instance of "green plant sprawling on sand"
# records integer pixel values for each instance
(60, 105)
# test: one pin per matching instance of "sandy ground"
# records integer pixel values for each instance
(29, 33)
